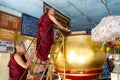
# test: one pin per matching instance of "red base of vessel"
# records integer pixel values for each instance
(82, 75)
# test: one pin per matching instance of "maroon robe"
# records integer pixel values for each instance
(44, 37)
(15, 70)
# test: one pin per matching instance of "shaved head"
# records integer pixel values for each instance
(20, 47)
(51, 11)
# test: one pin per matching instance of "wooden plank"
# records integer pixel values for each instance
(9, 21)
(7, 35)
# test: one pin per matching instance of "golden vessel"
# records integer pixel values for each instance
(78, 58)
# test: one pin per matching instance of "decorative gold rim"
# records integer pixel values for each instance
(80, 69)
(78, 74)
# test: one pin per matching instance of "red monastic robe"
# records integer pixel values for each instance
(15, 70)
(44, 37)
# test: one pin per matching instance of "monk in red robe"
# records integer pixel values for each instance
(18, 64)
(45, 35)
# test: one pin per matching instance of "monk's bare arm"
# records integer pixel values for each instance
(57, 23)
(19, 60)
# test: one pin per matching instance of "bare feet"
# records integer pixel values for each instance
(44, 62)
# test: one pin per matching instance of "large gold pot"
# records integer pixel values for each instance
(79, 59)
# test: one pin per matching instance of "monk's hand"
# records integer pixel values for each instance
(33, 52)
(68, 30)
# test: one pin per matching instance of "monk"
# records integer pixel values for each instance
(18, 64)
(45, 35)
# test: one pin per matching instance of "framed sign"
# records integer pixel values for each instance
(29, 27)
(8, 35)
(6, 46)
(64, 20)
(9, 21)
